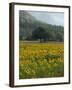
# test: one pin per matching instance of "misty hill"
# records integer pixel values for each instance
(28, 23)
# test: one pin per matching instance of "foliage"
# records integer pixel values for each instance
(39, 33)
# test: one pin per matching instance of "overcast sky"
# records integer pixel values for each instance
(53, 18)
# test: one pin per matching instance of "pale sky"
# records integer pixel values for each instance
(53, 18)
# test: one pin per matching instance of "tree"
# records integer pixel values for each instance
(39, 33)
(59, 37)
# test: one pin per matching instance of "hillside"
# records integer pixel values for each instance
(28, 23)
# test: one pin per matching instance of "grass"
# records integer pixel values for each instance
(41, 60)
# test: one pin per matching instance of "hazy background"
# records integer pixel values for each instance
(41, 25)
(53, 18)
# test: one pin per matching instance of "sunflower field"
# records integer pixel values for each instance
(41, 60)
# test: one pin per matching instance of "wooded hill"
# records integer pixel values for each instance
(32, 29)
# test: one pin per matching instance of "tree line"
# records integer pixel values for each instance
(44, 35)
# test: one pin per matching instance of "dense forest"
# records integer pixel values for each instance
(32, 29)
